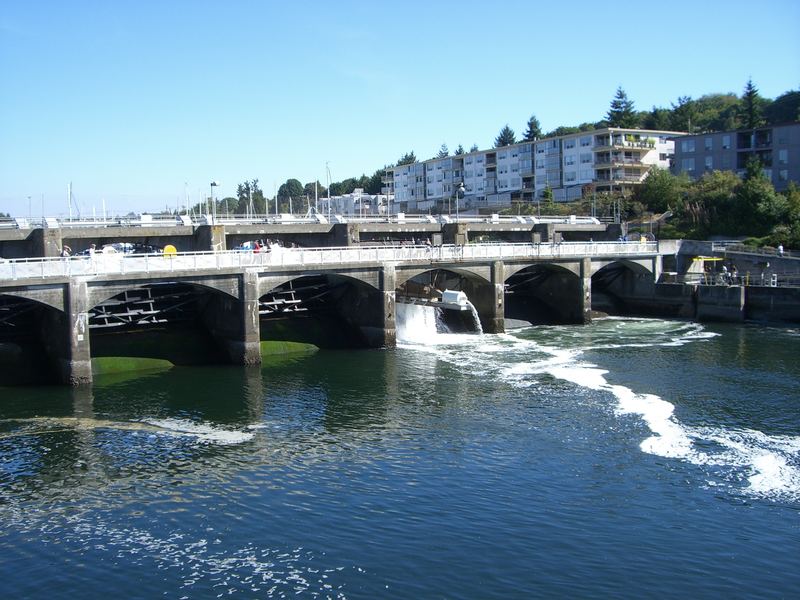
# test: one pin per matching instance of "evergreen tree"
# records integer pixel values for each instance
(534, 131)
(621, 112)
(443, 152)
(750, 112)
(683, 117)
(474, 148)
(658, 118)
(562, 130)
(506, 137)
(407, 159)
(459, 151)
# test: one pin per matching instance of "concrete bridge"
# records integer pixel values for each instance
(20, 238)
(62, 304)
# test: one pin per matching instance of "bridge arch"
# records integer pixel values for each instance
(545, 293)
(638, 266)
(321, 308)
(479, 274)
(616, 283)
(228, 285)
(28, 335)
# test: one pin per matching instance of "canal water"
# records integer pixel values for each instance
(628, 458)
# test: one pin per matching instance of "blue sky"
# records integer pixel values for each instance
(138, 102)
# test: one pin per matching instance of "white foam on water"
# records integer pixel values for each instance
(769, 465)
(421, 326)
(203, 432)
(177, 427)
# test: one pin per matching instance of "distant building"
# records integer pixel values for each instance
(604, 160)
(356, 204)
(777, 147)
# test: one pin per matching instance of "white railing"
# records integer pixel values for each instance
(283, 219)
(281, 258)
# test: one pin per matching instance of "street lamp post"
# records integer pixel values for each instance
(214, 204)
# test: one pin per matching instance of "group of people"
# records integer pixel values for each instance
(730, 278)
(66, 251)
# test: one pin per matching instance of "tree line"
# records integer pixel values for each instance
(711, 112)
(292, 196)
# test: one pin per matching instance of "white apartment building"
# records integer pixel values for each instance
(604, 160)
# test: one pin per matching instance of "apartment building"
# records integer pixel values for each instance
(777, 148)
(610, 159)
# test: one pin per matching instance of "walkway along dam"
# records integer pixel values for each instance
(56, 314)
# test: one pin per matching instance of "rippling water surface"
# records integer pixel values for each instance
(627, 458)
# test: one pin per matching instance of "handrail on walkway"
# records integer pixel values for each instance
(279, 257)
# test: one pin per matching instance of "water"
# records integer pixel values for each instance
(629, 458)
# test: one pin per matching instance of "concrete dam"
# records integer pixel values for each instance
(57, 314)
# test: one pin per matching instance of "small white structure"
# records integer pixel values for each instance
(455, 300)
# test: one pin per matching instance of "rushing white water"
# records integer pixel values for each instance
(770, 464)
(475, 318)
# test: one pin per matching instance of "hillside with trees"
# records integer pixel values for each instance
(718, 204)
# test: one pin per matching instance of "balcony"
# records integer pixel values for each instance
(608, 163)
(605, 144)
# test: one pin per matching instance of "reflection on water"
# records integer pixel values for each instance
(430, 470)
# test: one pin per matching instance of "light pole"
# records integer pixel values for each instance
(459, 194)
(214, 204)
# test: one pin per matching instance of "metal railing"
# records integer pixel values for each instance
(282, 219)
(301, 258)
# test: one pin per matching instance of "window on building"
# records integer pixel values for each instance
(662, 156)
(709, 163)
(687, 164)
(783, 175)
(586, 174)
(708, 143)
(570, 176)
(783, 157)
(586, 141)
(687, 146)
(569, 159)
(569, 144)
(726, 161)
(726, 142)
(586, 158)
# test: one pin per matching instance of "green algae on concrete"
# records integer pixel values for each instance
(105, 365)
(279, 347)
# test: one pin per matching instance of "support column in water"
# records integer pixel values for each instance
(233, 322)
(251, 327)
(497, 323)
(388, 286)
(74, 354)
(586, 290)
